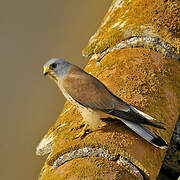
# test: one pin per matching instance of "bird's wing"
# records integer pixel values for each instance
(90, 92)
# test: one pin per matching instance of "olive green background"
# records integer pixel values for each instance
(31, 32)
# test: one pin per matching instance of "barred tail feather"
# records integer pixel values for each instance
(146, 134)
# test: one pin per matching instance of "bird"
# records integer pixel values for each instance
(91, 98)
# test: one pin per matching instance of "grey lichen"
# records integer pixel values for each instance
(143, 41)
(130, 166)
(84, 152)
(98, 152)
(47, 143)
(45, 146)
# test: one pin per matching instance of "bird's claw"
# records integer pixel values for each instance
(83, 133)
(80, 135)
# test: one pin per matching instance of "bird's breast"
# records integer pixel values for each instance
(67, 96)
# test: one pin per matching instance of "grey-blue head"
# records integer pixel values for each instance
(56, 68)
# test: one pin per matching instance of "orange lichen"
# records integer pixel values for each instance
(142, 78)
(138, 18)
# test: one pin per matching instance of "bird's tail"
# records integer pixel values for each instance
(149, 120)
(146, 134)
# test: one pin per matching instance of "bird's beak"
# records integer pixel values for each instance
(45, 71)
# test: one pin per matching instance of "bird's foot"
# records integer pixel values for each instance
(83, 132)
(78, 127)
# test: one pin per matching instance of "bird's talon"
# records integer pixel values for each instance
(76, 128)
(80, 135)
(83, 133)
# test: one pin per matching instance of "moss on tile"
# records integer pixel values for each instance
(138, 18)
(140, 77)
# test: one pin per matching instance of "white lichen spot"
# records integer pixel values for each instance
(61, 125)
(148, 31)
(66, 111)
(114, 6)
(122, 24)
(45, 146)
(116, 24)
(118, 4)
(119, 24)
(94, 56)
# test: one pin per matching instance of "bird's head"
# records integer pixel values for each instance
(56, 69)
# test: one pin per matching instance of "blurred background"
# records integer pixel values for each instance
(31, 32)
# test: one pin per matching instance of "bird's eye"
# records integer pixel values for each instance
(53, 65)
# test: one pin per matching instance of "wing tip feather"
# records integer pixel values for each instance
(159, 142)
(154, 122)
